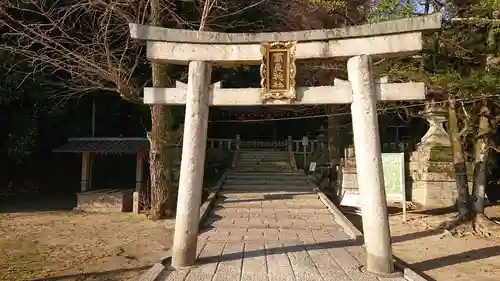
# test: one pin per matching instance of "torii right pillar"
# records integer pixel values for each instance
(369, 166)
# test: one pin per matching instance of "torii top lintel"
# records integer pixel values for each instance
(384, 39)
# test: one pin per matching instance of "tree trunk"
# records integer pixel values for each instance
(160, 162)
(459, 162)
(482, 149)
(484, 138)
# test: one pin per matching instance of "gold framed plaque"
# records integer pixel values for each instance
(277, 71)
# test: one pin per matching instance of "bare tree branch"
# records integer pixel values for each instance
(84, 43)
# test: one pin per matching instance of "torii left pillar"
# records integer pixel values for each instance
(192, 165)
(369, 166)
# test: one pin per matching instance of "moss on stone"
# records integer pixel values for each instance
(441, 154)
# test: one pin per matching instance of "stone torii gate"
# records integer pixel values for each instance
(276, 52)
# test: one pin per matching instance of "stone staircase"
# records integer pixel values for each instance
(264, 200)
(265, 170)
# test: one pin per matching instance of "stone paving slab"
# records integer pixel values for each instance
(273, 235)
(305, 245)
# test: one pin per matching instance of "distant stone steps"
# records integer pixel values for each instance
(266, 194)
(275, 165)
(267, 188)
(263, 160)
(264, 176)
(235, 172)
(261, 169)
(239, 181)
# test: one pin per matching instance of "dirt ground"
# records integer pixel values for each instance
(442, 255)
(67, 246)
(62, 245)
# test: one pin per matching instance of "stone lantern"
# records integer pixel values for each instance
(321, 136)
(435, 115)
(431, 164)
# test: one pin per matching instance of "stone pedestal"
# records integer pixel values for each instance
(105, 201)
(348, 177)
(433, 181)
(431, 164)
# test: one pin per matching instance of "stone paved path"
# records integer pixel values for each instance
(268, 224)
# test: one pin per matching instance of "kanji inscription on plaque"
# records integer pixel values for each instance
(278, 71)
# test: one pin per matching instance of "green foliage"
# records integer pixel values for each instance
(485, 8)
(330, 5)
(24, 103)
(391, 10)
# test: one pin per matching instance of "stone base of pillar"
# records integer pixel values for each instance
(433, 177)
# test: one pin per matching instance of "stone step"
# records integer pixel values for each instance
(278, 212)
(263, 157)
(265, 154)
(262, 170)
(266, 177)
(266, 167)
(263, 161)
(252, 182)
(230, 213)
(288, 173)
(262, 151)
(267, 188)
(282, 204)
(269, 223)
(264, 164)
(268, 235)
(267, 159)
(272, 194)
(313, 203)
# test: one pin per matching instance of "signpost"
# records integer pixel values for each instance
(394, 179)
(312, 167)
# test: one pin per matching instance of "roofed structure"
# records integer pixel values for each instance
(105, 145)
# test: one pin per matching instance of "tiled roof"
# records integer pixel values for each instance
(105, 145)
